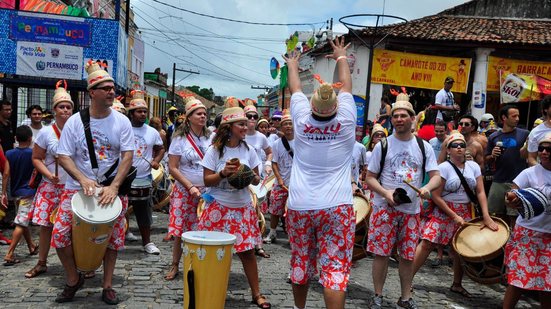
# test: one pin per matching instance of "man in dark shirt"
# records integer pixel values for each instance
(503, 154)
(6, 131)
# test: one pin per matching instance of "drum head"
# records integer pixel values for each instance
(87, 208)
(475, 244)
(208, 238)
(158, 174)
(269, 183)
(361, 208)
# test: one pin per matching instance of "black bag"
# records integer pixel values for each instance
(468, 190)
(125, 186)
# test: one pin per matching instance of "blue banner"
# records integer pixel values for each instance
(48, 30)
(360, 109)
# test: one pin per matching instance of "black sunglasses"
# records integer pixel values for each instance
(105, 88)
(546, 148)
(457, 145)
(465, 124)
(252, 116)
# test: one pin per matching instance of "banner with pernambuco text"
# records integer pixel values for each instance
(49, 60)
(496, 64)
(419, 71)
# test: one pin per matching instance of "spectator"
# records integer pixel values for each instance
(6, 132)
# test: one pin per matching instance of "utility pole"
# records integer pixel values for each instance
(174, 69)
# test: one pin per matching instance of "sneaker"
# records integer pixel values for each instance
(109, 296)
(270, 238)
(408, 304)
(377, 302)
(130, 236)
(152, 249)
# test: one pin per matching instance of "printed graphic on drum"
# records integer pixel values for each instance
(92, 228)
(207, 262)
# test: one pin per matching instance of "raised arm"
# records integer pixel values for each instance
(292, 71)
(339, 55)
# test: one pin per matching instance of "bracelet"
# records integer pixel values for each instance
(268, 163)
(341, 57)
(221, 175)
(191, 188)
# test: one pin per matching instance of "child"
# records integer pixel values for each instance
(21, 168)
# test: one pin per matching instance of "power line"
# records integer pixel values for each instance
(244, 38)
(236, 20)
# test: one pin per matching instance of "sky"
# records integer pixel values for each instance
(231, 57)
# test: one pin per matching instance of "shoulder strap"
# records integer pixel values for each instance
(422, 147)
(56, 131)
(85, 117)
(468, 190)
(384, 150)
(192, 142)
(287, 146)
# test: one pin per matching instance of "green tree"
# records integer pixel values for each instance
(204, 92)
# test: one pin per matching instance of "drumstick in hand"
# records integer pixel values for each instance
(413, 187)
(56, 166)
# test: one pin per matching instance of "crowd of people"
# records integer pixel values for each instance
(425, 175)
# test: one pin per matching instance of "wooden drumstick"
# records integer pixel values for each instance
(412, 186)
(56, 166)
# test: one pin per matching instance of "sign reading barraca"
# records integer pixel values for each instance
(419, 71)
(60, 31)
(49, 60)
(496, 64)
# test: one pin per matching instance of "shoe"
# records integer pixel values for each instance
(436, 263)
(152, 249)
(271, 238)
(69, 291)
(109, 296)
(377, 302)
(131, 237)
(408, 304)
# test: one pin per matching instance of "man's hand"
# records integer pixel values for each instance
(292, 58)
(155, 165)
(389, 198)
(107, 195)
(268, 169)
(195, 192)
(339, 49)
(424, 193)
(89, 186)
(53, 179)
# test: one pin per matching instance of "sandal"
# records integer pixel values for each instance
(457, 288)
(34, 251)
(69, 292)
(89, 274)
(261, 252)
(11, 262)
(172, 272)
(264, 305)
(37, 270)
(168, 238)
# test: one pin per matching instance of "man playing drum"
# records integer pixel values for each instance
(320, 216)
(397, 224)
(113, 141)
(149, 152)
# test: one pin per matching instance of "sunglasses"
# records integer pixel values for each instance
(465, 124)
(252, 116)
(106, 88)
(457, 145)
(546, 148)
(276, 119)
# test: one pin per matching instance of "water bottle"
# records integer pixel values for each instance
(501, 150)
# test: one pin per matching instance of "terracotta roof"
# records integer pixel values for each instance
(185, 92)
(472, 29)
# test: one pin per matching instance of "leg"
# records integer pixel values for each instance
(29, 239)
(15, 238)
(300, 291)
(176, 256)
(43, 250)
(334, 299)
(274, 221)
(422, 252)
(145, 231)
(248, 259)
(405, 270)
(512, 296)
(379, 270)
(545, 299)
(457, 268)
(68, 261)
(109, 261)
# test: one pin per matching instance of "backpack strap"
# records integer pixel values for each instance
(85, 117)
(287, 146)
(384, 150)
(422, 147)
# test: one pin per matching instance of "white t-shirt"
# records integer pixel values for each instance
(190, 161)
(537, 134)
(539, 178)
(444, 98)
(145, 137)
(403, 161)
(111, 135)
(368, 157)
(225, 193)
(47, 139)
(260, 144)
(359, 158)
(453, 189)
(272, 139)
(320, 177)
(283, 159)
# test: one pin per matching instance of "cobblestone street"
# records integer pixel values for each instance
(140, 283)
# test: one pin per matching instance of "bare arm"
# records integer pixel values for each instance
(292, 72)
(174, 170)
(339, 55)
(109, 193)
(532, 158)
(483, 202)
(158, 153)
(39, 155)
(275, 168)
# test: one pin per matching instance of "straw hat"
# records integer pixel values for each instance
(402, 102)
(378, 128)
(137, 101)
(263, 120)
(231, 102)
(545, 139)
(61, 94)
(250, 108)
(286, 116)
(455, 136)
(96, 74)
(233, 114)
(192, 104)
(324, 101)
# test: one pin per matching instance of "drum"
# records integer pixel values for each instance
(162, 188)
(362, 210)
(140, 191)
(261, 190)
(92, 228)
(482, 251)
(207, 263)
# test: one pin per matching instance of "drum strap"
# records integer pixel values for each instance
(287, 146)
(468, 190)
(192, 142)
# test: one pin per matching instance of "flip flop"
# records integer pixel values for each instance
(261, 252)
(34, 251)
(11, 262)
(460, 290)
(36, 271)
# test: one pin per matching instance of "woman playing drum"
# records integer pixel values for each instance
(231, 210)
(53, 176)
(189, 144)
(453, 207)
(528, 252)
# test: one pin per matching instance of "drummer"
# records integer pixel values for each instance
(189, 144)
(529, 248)
(148, 154)
(113, 141)
(231, 210)
(282, 162)
(453, 208)
(53, 177)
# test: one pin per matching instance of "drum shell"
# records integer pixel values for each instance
(90, 242)
(362, 211)
(211, 270)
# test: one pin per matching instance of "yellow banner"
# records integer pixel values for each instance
(419, 71)
(495, 64)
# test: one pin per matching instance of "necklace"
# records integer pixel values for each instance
(196, 135)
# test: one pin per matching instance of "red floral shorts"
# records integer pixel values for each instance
(241, 222)
(61, 234)
(46, 200)
(389, 227)
(324, 236)
(278, 199)
(183, 211)
(528, 259)
(441, 228)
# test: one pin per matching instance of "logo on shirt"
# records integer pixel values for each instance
(102, 146)
(322, 134)
(141, 146)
